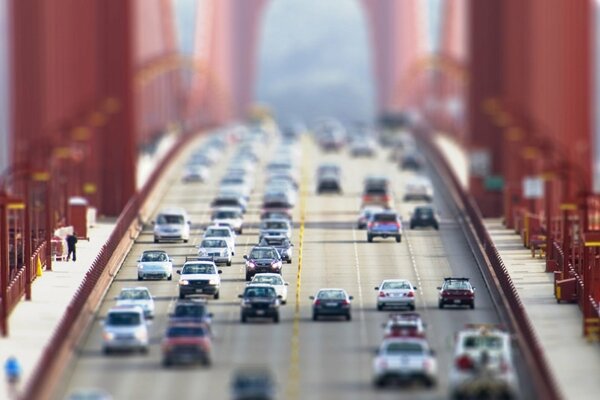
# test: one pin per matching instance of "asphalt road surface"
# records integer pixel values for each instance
(327, 359)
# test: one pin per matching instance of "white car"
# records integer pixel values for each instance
(155, 264)
(137, 297)
(275, 227)
(218, 249)
(483, 363)
(275, 280)
(199, 278)
(172, 224)
(230, 216)
(195, 173)
(418, 188)
(221, 232)
(124, 328)
(404, 359)
(395, 293)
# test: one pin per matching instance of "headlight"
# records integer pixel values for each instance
(224, 253)
(140, 266)
(213, 282)
(250, 264)
(141, 335)
(183, 282)
(108, 336)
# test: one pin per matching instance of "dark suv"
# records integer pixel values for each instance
(424, 216)
(384, 224)
(262, 259)
(260, 301)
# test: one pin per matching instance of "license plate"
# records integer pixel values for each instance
(260, 312)
(331, 304)
(456, 301)
(199, 290)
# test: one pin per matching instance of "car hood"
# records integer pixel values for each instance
(156, 264)
(169, 227)
(199, 277)
(139, 303)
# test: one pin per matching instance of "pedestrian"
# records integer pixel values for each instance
(71, 242)
(12, 370)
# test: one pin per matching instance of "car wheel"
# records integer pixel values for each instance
(207, 362)
(412, 226)
(144, 350)
(240, 232)
(348, 317)
(216, 296)
(106, 351)
(380, 307)
(140, 278)
(380, 382)
(170, 278)
(429, 382)
(398, 239)
(289, 261)
(229, 263)
(472, 305)
(155, 240)
(315, 316)
(440, 304)
(185, 240)
(276, 318)
(436, 227)
(244, 319)
(248, 277)
(369, 238)
(166, 362)
(411, 307)
(181, 296)
(283, 301)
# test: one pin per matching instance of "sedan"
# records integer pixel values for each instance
(155, 264)
(404, 359)
(275, 280)
(185, 343)
(424, 216)
(137, 297)
(331, 302)
(396, 292)
(217, 249)
(457, 292)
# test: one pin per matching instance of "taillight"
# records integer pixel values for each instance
(345, 303)
(382, 294)
(464, 362)
(386, 197)
(370, 225)
(317, 302)
(410, 294)
(427, 364)
(382, 363)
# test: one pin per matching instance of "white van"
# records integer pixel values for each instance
(172, 224)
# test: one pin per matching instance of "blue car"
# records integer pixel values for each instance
(384, 224)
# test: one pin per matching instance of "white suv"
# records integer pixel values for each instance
(125, 329)
(172, 224)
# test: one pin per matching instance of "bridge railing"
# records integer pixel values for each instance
(543, 380)
(25, 275)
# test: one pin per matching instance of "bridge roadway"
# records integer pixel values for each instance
(310, 360)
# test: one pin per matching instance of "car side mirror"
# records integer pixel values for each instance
(178, 272)
(311, 297)
(220, 271)
(414, 288)
(280, 297)
(376, 287)
(351, 297)
(473, 289)
(286, 284)
(240, 296)
(439, 288)
(245, 257)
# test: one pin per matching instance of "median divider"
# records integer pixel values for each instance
(80, 313)
(495, 273)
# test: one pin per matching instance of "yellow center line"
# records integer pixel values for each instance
(294, 370)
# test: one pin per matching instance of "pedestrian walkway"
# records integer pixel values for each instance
(574, 362)
(32, 323)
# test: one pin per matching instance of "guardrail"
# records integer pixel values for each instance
(543, 380)
(94, 285)
(20, 284)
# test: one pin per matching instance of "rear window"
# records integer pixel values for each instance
(185, 331)
(404, 348)
(190, 310)
(376, 191)
(123, 319)
(482, 341)
(385, 217)
(198, 269)
(169, 219)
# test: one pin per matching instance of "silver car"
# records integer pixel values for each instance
(404, 359)
(217, 249)
(155, 264)
(275, 227)
(395, 292)
(137, 297)
(125, 329)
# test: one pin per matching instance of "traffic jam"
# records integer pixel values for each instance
(482, 360)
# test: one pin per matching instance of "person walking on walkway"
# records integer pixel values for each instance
(71, 242)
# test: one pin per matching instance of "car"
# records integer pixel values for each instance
(259, 301)
(221, 232)
(172, 224)
(199, 277)
(276, 213)
(395, 293)
(275, 280)
(218, 249)
(365, 215)
(424, 216)
(230, 216)
(124, 328)
(328, 169)
(195, 173)
(137, 296)
(230, 199)
(404, 325)
(418, 188)
(252, 384)
(285, 177)
(404, 360)
(154, 264)
(483, 364)
(331, 302)
(275, 227)
(194, 311)
(273, 196)
(384, 224)
(456, 292)
(412, 161)
(328, 183)
(262, 259)
(377, 191)
(186, 343)
(362, 147)
(281, 243)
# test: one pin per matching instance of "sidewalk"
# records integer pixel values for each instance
(32, 323)
(574, 362)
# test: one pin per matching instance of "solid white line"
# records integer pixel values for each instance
(361, 314)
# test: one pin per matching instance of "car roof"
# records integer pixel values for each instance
(395, 280)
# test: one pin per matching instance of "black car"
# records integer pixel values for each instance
(281, 243)
(262, 259)
(412, 162)
(252, 384)
(424, 216)
(193, 311)
(329, 183)
(259, 301)
(331, 302)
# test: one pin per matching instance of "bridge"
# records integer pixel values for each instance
(101, 106)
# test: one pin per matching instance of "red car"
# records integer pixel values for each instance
(186, 343)
(404, 325)
(456, 292)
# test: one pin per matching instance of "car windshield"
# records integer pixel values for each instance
(457, 285)
(190, 310)
(275, 242)
(123, 319)
(169, 219)
(271, 280)
(213, 243)
(154, 256)
(263, 253)
(385, 217)
(232, 181)
(404, 348)
(217, 233)
(259, 292)
(331, 295)
(185, 331)
(425, 212)
(396, 285)
(274, 225)
(134, 295)
(226, 202)
(482, 341)
(198, 269)
(225, 215)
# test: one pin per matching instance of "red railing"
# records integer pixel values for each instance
(128, 221)
(542, 379)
